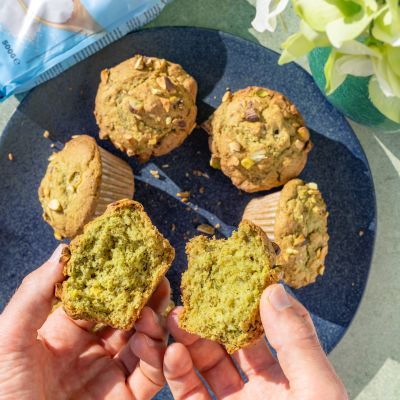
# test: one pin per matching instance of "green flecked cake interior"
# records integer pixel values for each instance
(114, 266)
(222, 287)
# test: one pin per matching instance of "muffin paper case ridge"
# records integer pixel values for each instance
(117, 181)
(262, 212)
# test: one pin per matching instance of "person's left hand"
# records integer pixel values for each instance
(46, 356)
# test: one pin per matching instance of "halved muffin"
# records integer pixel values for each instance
(222, 286)
(114, 266)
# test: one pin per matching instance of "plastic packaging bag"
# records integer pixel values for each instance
(39, 39)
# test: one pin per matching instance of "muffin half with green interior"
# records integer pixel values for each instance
(222, 286)
(146, 106)
(114, 266)
(80, 181)
(258, 139)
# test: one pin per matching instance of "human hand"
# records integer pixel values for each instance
(301, 372)
(46, 356)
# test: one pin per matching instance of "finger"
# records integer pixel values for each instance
(86, 325)
(161, 297)
(150, 336)
(290, 331)
(209, 358)
(147, 349)
(255, 359)
(114, 339)
(32, 302)
(150, 324)
(181, 376)
(62, 334)
(144, 383)
(147, 378)
(127, 359)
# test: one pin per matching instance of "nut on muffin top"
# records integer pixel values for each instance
(301, 232)
(146, 106)
(69, 190)
(258, 138)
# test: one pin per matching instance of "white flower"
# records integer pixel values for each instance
(266, 13)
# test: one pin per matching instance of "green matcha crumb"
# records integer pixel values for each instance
(222, 287)
(115, 266)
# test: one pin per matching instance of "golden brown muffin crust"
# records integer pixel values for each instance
(301, 231)
(258, 138)
(69, 190)
(146, 106)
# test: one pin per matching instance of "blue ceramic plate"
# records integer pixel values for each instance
(64, 106)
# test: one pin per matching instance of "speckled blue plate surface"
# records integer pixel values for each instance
(64, 106)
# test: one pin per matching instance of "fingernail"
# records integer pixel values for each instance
(55, 257)
(278, 298)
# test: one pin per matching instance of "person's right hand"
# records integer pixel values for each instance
(52, 356)
(302, 370)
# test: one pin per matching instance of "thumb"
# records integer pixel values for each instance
(290, 330)
(32, 302)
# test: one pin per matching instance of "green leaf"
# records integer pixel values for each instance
(388, 106)
(294, 47)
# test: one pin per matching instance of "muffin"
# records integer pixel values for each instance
(262, 212)
(258, 139)
(222, 286)
(300, 219)
(146, 106)
(80, 181)
(114, 266)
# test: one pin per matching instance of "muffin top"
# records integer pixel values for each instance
(258, 139)
(114, 266)
(69, 190)
(222, 286)
(301, 232)
(146, 106)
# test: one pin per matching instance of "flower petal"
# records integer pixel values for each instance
(317, 13)
(294, 47)
(265, 19)
(393, 57)
(334, 77)
(387, 24)
(355, 65)
(355, 47)
(388, 79)
(387, 105)
(346, 29)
